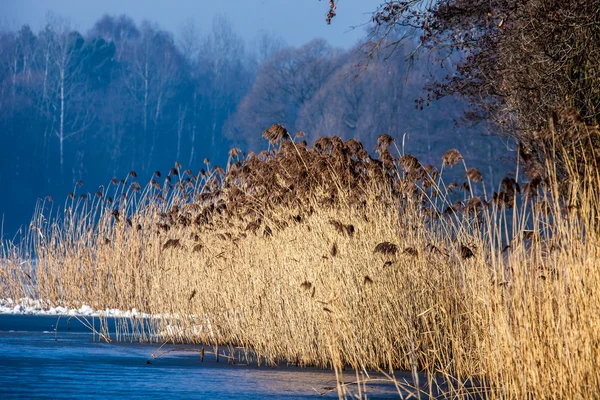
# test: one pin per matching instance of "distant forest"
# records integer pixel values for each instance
(123, 97)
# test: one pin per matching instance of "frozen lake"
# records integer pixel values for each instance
(37, 361)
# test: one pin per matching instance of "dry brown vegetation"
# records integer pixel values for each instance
(326, 256)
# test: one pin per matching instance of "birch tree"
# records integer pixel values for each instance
(69, 112)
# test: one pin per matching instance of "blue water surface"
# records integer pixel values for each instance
(49, 358)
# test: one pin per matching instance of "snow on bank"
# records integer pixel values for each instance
(27, 306)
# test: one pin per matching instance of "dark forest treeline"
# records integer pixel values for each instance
(125, 97)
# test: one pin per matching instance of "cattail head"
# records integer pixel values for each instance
(172, 244)
(474, 175)
(334, 250)
(323, 144)
(531, 188)
(157, 174)
(197, 248)
(386, 248)
(474, 203)
(383, 142)
(276, 133)
(451, 158)
(233, 153)
(79, 183)
(135, 186)
(133, 174)
(114, 181)
(466, 252)
(409, 162)
(219, 171)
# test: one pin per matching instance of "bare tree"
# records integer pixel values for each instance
(267, 45)
(224, 63)
(65, 87)
(151, 78)
(527, 67)
(284, 84)
(189, 40)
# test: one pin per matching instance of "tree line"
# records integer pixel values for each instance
(127, 97)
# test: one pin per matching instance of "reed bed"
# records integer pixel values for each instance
(325, 256)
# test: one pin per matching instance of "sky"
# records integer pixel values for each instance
(296, 21)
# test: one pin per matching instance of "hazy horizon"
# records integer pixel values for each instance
(297, 22)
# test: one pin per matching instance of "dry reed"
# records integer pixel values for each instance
(326, 256)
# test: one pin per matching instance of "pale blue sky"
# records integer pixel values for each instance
(296, 21)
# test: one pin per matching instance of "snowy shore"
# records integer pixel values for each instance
(27, 306)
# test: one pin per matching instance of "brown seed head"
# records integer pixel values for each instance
(172, 244)
(383, 142)
(409, 162)
(276, 133)
(334, 250)
(474, 203)
(386, 248)
(466, 252)
(233, 153)
(474, 175)
(451, 158)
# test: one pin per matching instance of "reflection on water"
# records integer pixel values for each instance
(39, 361)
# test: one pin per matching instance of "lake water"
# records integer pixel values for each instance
(46, 357)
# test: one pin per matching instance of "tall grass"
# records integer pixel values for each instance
(326, 256)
